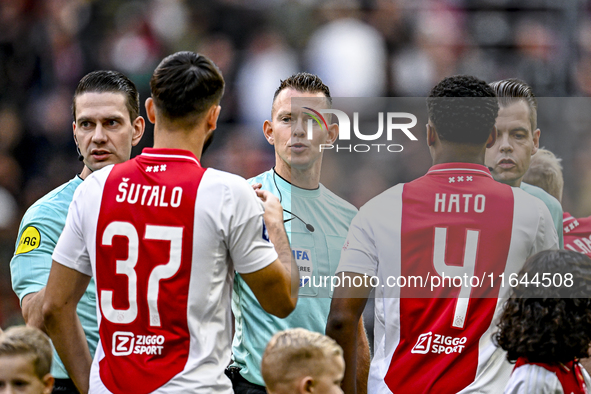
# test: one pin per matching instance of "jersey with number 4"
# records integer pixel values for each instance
(454, 222)
(162, 237)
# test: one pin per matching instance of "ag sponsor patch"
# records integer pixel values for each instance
(30, 240)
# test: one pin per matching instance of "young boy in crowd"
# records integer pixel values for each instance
(301, 361)
(25, 361)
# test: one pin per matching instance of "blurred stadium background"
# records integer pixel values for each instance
(361, 48)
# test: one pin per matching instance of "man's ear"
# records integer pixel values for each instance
(431, 137)
(333, 133)
(150, 110)
(492, 138)
(139, 126)
(74, 131)
(306, 385)
(212, 117)
(268, 131)
(536, 138)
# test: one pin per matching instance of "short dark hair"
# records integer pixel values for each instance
(513, 90)
(108, 81)
(463, 109)
(185, 85)
(304, 82)
(549, 323)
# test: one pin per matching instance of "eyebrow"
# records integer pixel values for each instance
(283, 113)
(92, 120)
(520, 128)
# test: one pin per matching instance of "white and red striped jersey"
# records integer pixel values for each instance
(577, 233)
(455, 221)
(162, 236)
(542, 378)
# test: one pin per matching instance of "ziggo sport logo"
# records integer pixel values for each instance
(439, 344)
(345, 130)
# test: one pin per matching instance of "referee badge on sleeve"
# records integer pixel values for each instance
(30, 240)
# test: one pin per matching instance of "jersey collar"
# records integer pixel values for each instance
(476, 169)
(296, 191)
(168, 153)
(567, 216)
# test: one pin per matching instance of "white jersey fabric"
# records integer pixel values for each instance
(457, 221)
(535, 379)
(162, 236)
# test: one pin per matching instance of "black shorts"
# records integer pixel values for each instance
(64, 386)
(241, 385)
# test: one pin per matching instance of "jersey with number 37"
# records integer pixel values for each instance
(433, 336)
(162, 237)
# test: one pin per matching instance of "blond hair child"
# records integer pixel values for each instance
(25, 361)
(301, 361)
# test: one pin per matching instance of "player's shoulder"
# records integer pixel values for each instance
(223, 177)
(532, 379)
(221, 180)
(94, 182)
(100, 176)
(387, 199)
(529, 206)
(387, 195)
(543, 195)
(526, 195)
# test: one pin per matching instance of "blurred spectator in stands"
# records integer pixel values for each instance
(269, 59)
(538, 54)
(433, 53)
(348, 54)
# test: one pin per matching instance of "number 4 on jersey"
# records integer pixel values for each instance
(470, 249)
(127, 268)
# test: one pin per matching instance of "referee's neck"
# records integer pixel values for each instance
(308, 178)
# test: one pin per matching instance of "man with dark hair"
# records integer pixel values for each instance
(518, 138)
(106, 125)
(185, 88)
(110, 82)
(162, 237)
(316, 221)
(455, 221)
